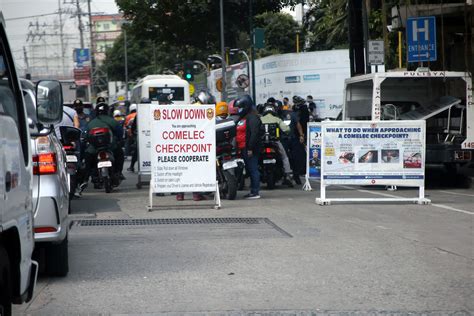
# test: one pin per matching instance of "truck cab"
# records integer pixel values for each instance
(442, 98)
(18, 271)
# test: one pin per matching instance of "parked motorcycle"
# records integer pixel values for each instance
(270, 162)
(70, 137)
(230, 166)
(101, 139)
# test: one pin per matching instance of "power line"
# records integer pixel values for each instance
(30, 16)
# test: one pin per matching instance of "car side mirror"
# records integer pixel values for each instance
(49, 102)
(70, 134)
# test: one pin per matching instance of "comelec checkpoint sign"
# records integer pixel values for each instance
(373, 153)
(183, 148)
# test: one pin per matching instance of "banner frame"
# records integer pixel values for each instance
(323, 200)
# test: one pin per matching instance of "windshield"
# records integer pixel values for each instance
(176, 92)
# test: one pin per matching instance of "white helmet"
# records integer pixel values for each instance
(133, 107)
(117, 113)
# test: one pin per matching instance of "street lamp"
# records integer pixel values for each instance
(125, 53)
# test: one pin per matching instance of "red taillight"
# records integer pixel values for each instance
(268, 150)
(68, 147)
(39, 230)
(103, 155)
(45, 163)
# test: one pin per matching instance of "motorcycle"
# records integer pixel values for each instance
(230, 166)
(101, 139)
(270, 162)
(69, 139)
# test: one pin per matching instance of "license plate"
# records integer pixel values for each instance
(103, 164)
(462, 155)
(71, 158)
(269, 161)
(230, 164)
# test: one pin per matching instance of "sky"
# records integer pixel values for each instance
(17, 30)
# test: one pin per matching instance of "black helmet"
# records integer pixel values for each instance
(297, 100)
(271, 100)
(77, 102)
(102, 108)
(100, 100)
(205, 97)
(244, 104)
(269, 109)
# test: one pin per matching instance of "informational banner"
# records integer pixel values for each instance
(144, 137)
(373, 153)
(183, 148)
(314, 151)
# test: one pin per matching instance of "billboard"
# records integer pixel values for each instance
(183, 148)
(373, 153)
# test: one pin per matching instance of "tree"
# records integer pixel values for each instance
(326, 25)
(280, 32)
(192, 26)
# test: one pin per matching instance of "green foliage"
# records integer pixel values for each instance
(280, 33)
(326, 25)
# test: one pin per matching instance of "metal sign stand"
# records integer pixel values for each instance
(153, 207)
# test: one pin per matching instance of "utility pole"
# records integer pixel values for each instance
(223, 63)
(91, 50)
(126, 62)
(252, 49)
(26, 60)
(81, 27)
(61, 35)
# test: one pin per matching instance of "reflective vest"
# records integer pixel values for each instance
(241, 137)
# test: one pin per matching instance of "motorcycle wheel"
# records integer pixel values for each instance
(231, 185)
(108, 185)
(270, 180)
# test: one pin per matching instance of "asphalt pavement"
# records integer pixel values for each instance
(280, 255)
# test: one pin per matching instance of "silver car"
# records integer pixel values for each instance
(50, 193)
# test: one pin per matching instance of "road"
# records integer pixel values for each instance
(286, 256)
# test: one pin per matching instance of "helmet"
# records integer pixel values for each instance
(232, 109)
(205, 97)
(244, 104)
(100, 100)
(271, 101)
(117, 113)
(297, 100)
(269, 109)
(102, 108)
(77, 102)
(133, 107)
(222, 109)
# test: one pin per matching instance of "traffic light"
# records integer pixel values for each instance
(188, 67)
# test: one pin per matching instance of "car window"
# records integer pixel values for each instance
(10, 94)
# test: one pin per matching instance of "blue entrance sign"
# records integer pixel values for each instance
(81, 55)
(421, 39)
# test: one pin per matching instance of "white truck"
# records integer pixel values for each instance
(17, 270)
(442, 98)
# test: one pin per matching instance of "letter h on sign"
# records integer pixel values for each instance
(421, 39)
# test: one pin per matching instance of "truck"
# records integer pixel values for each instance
(442, 98)
(18, 271)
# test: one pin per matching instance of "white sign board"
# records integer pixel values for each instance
(373, 153)
(183, 148)
(376, 54)
(144, 137)
(320, 74)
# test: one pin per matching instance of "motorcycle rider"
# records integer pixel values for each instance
(131, 128)
(249, 141)
(270, 116)
(102, 119)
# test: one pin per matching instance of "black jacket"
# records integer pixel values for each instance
(252, 133)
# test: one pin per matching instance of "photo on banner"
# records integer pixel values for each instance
(314, 151)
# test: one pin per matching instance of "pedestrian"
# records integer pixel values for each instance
(249, 141)
(131, 134)
(286, 104)
(311, 106)
(299, 120)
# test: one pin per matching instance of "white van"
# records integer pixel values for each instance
(147, 91)
(152, 86)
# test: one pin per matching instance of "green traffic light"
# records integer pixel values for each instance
(188, 76)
